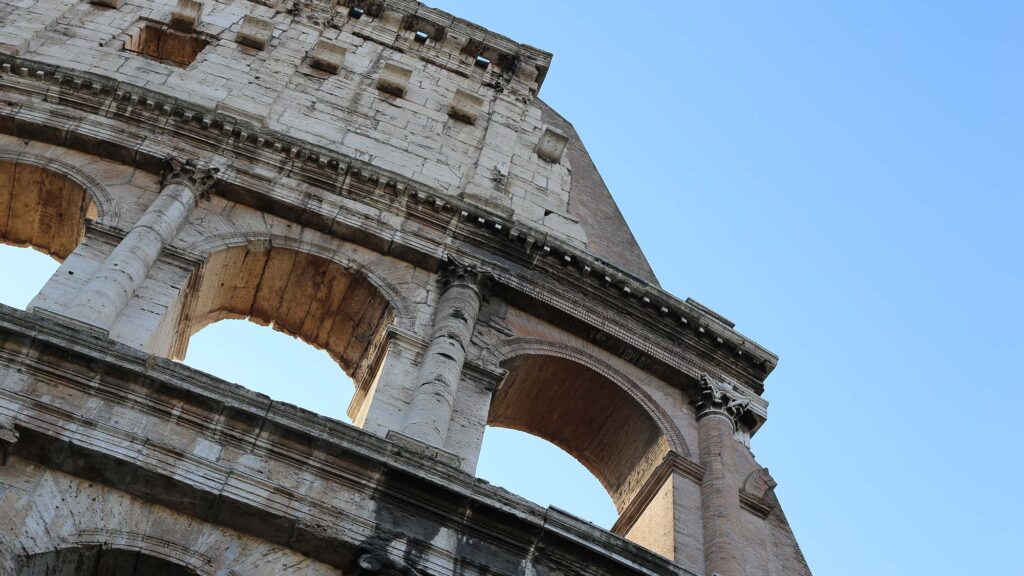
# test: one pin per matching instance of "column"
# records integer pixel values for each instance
(717, 410)
(109, 290)
(430, 411)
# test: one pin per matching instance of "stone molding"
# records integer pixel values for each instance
(145, 543)
(106, 209)
(754, 495)
(452, 43)
(8, 436)
(663, 314)
(513, 347)
(455, 272)
(405, 310)
(188, 172)
(721, 398)
(673, 463)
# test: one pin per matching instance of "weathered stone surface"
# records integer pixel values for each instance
(394, 79)
(341, 202)
(186, 15)
(552, 145)
(255, 32)
(327, 56)
(466, 107)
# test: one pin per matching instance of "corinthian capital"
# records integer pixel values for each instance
(454, 273)
(722, 398)
(188, 172)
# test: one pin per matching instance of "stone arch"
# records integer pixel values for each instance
(588, 408)
(104, 208)
(44, 205)
(302, 289)
(103, 560)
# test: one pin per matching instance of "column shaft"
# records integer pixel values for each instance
(720, 501)
(107, 293)
(437, 382)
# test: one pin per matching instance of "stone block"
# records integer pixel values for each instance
(327, 56)
(107, 3)
(186, 15)
(552, 145)
(466, 107)
(255, 32)
(394, 79)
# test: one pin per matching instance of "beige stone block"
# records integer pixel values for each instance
(255, 32)
(394, 79)
(327, 56)
(186, 15)
(466, 107)
(552, 145)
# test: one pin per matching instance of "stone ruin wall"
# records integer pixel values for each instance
(379, 180)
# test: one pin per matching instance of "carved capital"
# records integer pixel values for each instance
(721, 398)
(455, 273)
(8, 436)
(200, 179)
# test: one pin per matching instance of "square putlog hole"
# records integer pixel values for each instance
(161, 43)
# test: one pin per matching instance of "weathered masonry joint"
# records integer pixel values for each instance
(381, 180)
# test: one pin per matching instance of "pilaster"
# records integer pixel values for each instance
(430, 411)
(719, 408)
(108, 291)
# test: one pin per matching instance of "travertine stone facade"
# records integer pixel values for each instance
(379, 179)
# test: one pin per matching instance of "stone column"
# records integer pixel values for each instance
(112, 286)
(718, 408)
(430, 411)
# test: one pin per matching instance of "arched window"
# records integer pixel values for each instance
(336, 310)
(40, 209)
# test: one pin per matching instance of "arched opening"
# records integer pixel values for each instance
(586, 414)
(272, 363)
(307, 296)
(96, 560)
(40, 209)
(564, 483)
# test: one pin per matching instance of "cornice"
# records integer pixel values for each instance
(447, 41)
(216, 133)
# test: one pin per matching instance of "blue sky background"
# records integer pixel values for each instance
(842, 179)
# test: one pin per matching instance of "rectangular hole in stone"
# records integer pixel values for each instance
(422, 37)
(482, 62)
(161, 43)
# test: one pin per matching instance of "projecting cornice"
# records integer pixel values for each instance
(120, 121)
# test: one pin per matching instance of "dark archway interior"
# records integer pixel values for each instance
(303, 295)
(98, 561)
(42, 209)
(587, 415)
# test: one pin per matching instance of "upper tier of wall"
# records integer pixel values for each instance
(404, 87)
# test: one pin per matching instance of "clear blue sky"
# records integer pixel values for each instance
(845, 181)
